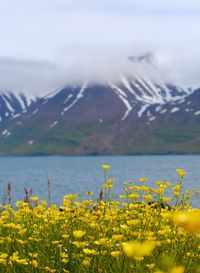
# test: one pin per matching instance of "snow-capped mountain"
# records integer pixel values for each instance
(13, 104)
(130, 97)
(135, 114)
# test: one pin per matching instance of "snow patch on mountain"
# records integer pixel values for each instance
(123, 97)
(78, 97)
(175, 109)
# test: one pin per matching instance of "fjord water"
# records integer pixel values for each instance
(82, 174)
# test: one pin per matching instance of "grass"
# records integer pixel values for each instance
(138, 233)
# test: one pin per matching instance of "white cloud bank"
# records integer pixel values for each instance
(76, 65)
(48, 44)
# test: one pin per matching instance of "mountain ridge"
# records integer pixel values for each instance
(134, 116)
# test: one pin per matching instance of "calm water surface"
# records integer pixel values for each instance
(82, 174)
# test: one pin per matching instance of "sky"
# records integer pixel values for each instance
(47, 44)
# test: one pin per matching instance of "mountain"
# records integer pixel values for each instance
(12, 104)
(136, 115)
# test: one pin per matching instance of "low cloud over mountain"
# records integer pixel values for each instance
(100, 65)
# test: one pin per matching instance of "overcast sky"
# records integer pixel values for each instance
(45, 44)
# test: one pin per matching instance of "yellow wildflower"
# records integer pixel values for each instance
(134, 195)
(168, 184)
(48, 269)
(176, 188)
(89, 251)
(181, 172)
(150, 266)
(160, 191)
(178, 269)
(135, 249)
(143, 179)
(122, 196)
(115, 254)
(102, 241)
(132, 222)
(79, 244)
(34, 199)
(106, 167)
(78, 233)
(117, 237)
(34, 263)
(145, 188)
(86, 262)
(148, 197)
(189, 220)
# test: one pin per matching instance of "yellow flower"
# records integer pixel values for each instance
(22, 261)
(65, 236)
(148, 197)
(48, 269)
(106, 167)
(150, 266)
(3, 258)
(71, 196)
(34, 263)
(167, 199)
(160, 191)
(178, 269)
(33, 255)
(79, 244)
(115, 254)
(168, 184)
(3, 261)
(78, 233)
(44, 203)
(136, 249)
(34, 199)
(102, 241)
(176, 188)
(159, 183)
(143, 179)
(132, 222)
(145, 188)
(3, 255)
(110, 181)
(19, 204)
(181, 172)
(117, 237)
(86, 262)
(89, 193)
(122, 196)
(189, 220)
(88, 251)
(107, 186)
(134, 195)
(64, 255)
(125, 227)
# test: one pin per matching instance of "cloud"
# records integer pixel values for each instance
(76, 65)
(47, 44)
(100, 64)
(29, 77)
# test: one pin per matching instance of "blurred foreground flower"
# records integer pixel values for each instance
(189, 220)
(176, 269)
(135, 249)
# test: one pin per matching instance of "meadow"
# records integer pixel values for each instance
(145, 229)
